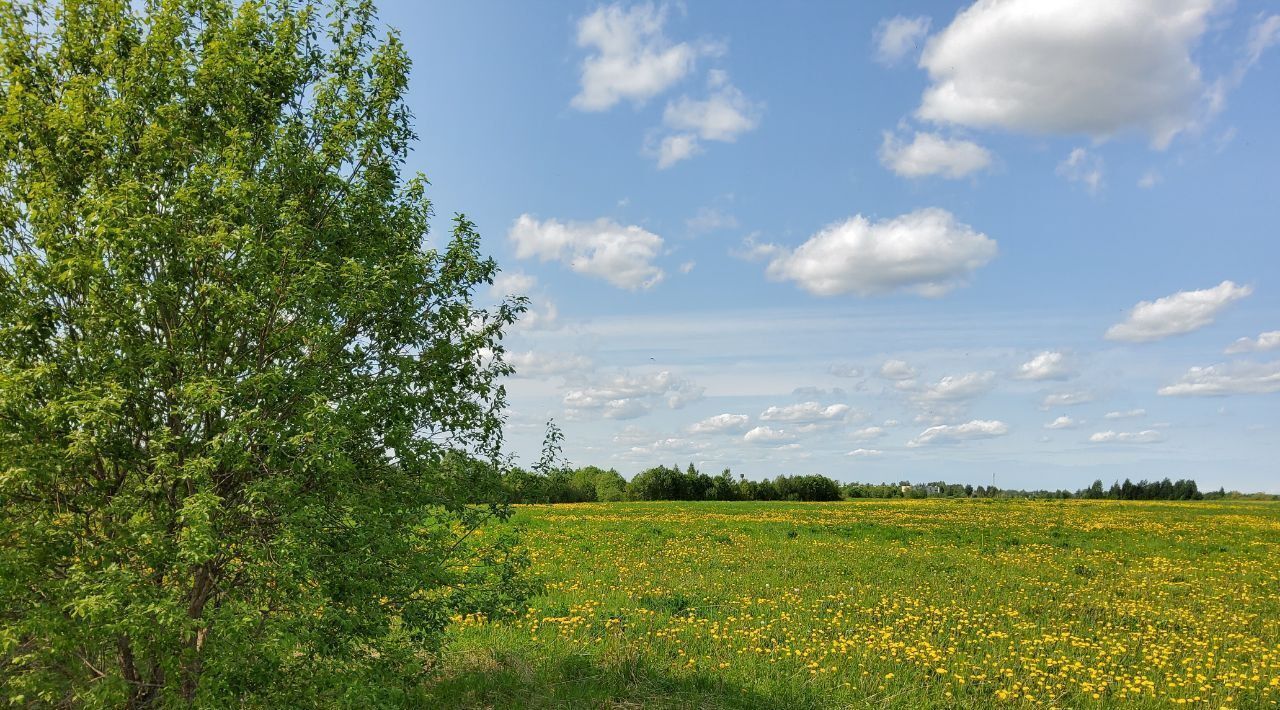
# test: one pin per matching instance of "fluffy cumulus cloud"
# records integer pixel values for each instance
(723, 115)
(959, 387)
(1047, 365)
(926, 252)
(864, 453)
(897, 36)
(538, 364)
(930, 154)
(767, 435)
(951, 433)
(1149, 436)
(1067, 67)
(621, 255)
(721, 424)
(1063, 422)
(1265, 341)
(1126, 414)
(630, 56)
(673, 149)
(1221, 380)
(628, 397)
(1182, 312)
(806, 413)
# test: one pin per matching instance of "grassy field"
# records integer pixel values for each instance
(924, 603)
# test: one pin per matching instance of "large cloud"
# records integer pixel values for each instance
(931, 154)
(925, 252)
(950, 433)
(632, 58)
(1068, 67)
(621, 255)
(1182, 312)
(1234, 378)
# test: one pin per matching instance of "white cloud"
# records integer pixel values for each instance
(931, 154)
(621, 255)
(628, 397)
(1128, 414)
(687, 266)
(897, 36)
(721, 424)
(869, 433)
(1063, 422)
(1150, 436)
(897, 370)
(722, 116)
(1265, 341)
(1083, 167)
(1065, 399)
(673, 149)
(805, 413)
(631, 58)
(1150, 179)
(1220, 380)
(957, 387)
(1066, 67)
(864, 453)
(1048, 365)
(541, 313)
(1182, 312)
(538, 364)
(766, 435)
(925, 252)
(947, 433)
(512, 283)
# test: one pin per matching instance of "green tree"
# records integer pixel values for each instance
(231, 365)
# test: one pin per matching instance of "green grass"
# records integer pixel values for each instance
(900, 604)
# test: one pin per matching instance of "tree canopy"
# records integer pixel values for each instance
(232, 364)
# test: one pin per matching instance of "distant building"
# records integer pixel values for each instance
(906, 489)
(933, 490)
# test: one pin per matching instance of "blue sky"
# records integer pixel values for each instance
(1028, 239)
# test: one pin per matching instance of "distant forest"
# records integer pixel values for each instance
(592, 484)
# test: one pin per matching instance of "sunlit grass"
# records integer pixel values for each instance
(937, 603)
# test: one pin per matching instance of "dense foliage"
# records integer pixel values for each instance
(591, 484)
(231, 367)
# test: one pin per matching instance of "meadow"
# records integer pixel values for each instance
(898, 604)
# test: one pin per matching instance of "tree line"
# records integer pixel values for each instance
(594, 484)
